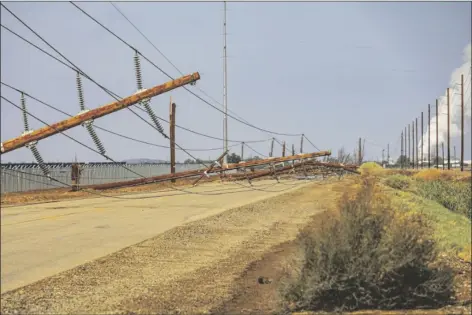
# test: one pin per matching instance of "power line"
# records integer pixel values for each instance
(255, 150)
(114, 95)
(148, 40)
(108, 91)
(178, 70)
(165, 73)
(120, 165)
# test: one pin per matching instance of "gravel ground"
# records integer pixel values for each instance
(189, 269)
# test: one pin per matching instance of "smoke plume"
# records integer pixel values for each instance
(455, 107)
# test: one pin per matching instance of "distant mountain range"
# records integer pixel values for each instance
(144, 161)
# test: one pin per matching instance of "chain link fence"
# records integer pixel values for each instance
(21, 179)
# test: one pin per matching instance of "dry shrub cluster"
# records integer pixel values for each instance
(398, 181)
(368, 256)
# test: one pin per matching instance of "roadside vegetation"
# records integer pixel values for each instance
(454, 194)
(377, 251)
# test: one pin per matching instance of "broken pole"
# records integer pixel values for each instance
(101, 111)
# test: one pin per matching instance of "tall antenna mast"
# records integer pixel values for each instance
(225, 91)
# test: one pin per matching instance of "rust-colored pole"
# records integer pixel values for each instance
(462, 122)
(69, 123)
(448, 132)
(172, 137)
(211, 169)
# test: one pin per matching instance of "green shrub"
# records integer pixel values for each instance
(455, 196)
(367, 256)
(397, 181)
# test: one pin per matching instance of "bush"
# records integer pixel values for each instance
(455, 196)
(398, 181)
(368, 256)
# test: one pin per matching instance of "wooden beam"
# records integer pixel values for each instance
(104, 110)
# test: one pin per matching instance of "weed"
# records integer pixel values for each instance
(368, 255)
(397, 181)
(455, 196)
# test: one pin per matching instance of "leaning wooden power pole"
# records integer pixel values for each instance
(52, 129)
(429, 135)
(448, 133)
(462, 122)
(172, 136)
(437, 134)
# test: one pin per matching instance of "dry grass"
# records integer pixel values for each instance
(369, 255)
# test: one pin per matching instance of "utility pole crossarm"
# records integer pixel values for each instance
(104, 110)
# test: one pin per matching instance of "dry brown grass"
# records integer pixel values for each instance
(369, 255)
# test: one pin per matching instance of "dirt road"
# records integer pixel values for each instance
(41, 240)
(187, 269)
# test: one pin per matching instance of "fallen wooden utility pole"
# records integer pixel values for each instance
(193, 173)
(327, 165)
(104, 110)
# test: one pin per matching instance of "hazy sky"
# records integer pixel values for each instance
(334, 71)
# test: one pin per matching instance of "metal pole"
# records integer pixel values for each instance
(225, 91)
(388, 153)
(242, 151)
(283, 149)
(422, 143)
(448, 133)
(406, 146)
(437, 134)
(401, 150)
(409, 145)
(271, 154)
(429, 135)
(172, 137)
(413, 143)
(442, 146)
(462, 122)
(416, 133)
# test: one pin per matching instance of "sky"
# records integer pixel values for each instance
(333, 71)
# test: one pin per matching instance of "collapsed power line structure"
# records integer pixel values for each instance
(303, 163)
